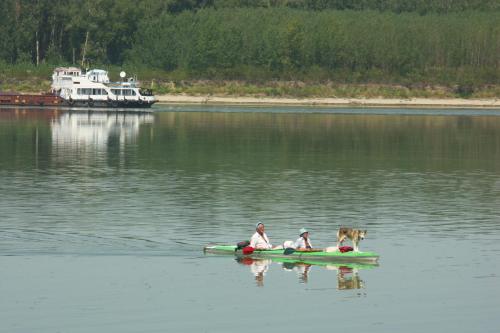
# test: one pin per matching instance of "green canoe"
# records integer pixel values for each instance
(335, 257)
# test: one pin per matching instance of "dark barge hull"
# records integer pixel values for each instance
(30, 100)
(14, 99)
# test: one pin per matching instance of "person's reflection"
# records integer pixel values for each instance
(258, 267)
(347, 277)
(302, 270)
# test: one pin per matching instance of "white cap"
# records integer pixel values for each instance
(257, 225)
(303, 231)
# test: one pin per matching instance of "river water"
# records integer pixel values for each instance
(103, 219)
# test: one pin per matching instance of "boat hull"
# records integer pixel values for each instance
(334, 257)
(109, 104)
(52, 100)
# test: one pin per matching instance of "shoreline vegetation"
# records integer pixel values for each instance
(28, 78)
(407, 50)
(334, 102)
(297, 93)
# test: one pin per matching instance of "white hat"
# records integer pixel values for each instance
(303, 231)
(257, 225)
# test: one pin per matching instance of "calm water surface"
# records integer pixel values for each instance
(103, 218)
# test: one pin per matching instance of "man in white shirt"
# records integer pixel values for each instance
(259, 239)
(303, 243)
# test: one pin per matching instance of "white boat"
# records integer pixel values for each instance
(94, 89)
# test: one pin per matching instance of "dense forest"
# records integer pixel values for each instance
(442, 41)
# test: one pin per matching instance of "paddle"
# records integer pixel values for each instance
(311, 250)
(290, 250)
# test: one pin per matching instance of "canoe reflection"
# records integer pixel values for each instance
(347, 274)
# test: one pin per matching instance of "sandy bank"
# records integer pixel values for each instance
(368, 102)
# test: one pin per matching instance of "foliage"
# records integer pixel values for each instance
(406, 42)
(397, 6)
(352, 46)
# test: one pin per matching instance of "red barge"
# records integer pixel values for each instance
(17, 99)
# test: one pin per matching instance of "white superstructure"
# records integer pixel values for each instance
(94, 88)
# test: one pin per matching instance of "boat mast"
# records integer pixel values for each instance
(85, 47)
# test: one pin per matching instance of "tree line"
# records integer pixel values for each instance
(398, 6)
(284, 41)
(252, 38)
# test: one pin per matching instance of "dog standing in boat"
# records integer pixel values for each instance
(355, 235)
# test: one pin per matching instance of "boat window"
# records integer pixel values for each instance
(146, 92)
(123, 92)
(84, 91)
(99, 91)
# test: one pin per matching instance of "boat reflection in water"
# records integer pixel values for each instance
(91, 138)
(97, 128)
(347, 274)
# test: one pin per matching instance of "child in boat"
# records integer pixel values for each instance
(303, 243)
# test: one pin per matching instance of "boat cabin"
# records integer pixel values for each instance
(94, 88)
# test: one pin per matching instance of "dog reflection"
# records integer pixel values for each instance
(347, 278)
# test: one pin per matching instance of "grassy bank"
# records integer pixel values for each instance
(30, 78)
(289, 89)
(329, 89)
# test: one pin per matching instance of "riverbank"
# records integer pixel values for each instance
(367, 102)
(282, 92)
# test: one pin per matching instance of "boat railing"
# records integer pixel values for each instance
(123, 84)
